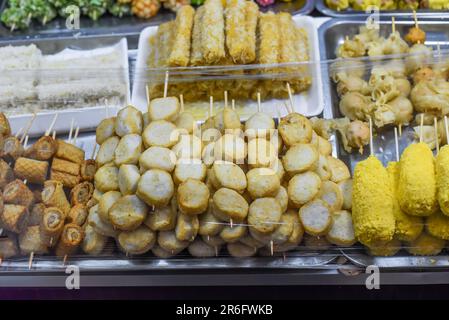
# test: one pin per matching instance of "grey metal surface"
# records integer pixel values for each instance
(321, 6)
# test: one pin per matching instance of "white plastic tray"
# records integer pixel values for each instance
(85, 118)
(309, 103)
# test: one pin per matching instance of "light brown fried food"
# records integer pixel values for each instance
(30, 240)
(303, 187)
(300, 158)
(346, 190)
(104, 228)
(71, 238)
(105, 203)
(53, 195)
(34, 171)
(68, 180)
(12, 149)
(43, 149)
(261, 153)
(158, 158)
(295, 128)
(87, 170)
(240, 250)
(161, 219)
(229, 175)
(128, 213)
(105, 130)
(316, 217)
(14, 217)
(209, 224)
(168, 241)
(193, 197)
(81, 193)
(128, 178)
(77, 214)
(36, 214)
(189, 169)
(297, 233)
(263, 182)
(232, 148)
(106, 153)
(65, 166)
(233, 234)
(229, 204)
(51, 226)
(342, 231)
(106, 179)
(331, 194)
(339, 170)
(5, 128)
(6, 174)
(16, 192)
(187, 227)
(129, 120)
(322, 168)
(264, 214)
(166, 109)
(189, 147)
(70, 152)
(93, 242)
(128, 150)
(155, 187)
(282, 198)
(200, 249)
(137, 241)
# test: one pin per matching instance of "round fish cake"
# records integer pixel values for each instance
(303, 187)
(160, 133)
(155, 187)
(264, 214)
(229, 204)
(263, 182)
(193, 197)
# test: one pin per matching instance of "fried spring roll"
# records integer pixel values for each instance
(12, 149)
(34, 171)
(14, 217)
(212, 32)
(287, 38)
(236, 39)
(6, 174)
(53, 196)
(68, 151)
(179, 56)
(65, 166)
(51, 226)
(196, 55)
(164, 38)
(269, 38)
(30, 240)
(68, 180)
(5, 128)
(77, 214)
(43, 149)
(252, 16)
(8, 247)
(16, 192)
(71, 238)
(87, 170)
(81, 193)
(36, 214)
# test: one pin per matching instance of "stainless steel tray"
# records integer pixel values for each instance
(331, 34)
(110, 25)
(321, 6)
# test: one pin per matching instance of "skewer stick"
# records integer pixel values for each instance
(437, 143)
(54, 135)
(76, 135)
(50, 128)
(25, 181)
(396, 143)
(147, 93)
(72, 123)
(400, 129)
(416, 19)
(25, 143)
(231, 223)
(30, 260)
(226, 99)
(233, 104)
(271, 248)
(289, 109)
(64, 260)
(19, 132)
(290, 96)
(421, 127)
(211, 106)
(446, 128)
(371, 147)
(393, 25)
(13, 27)
(1, 261)
(166, 84)
(259, 105)
(44, 21)
(93, 151)
(28, 127)
(181, 100)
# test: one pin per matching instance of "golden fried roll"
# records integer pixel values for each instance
(87, 170)
(68, 151)
(51, 226)
(6, 174)
(14, 217)
(106, 202)
(263, 182)
(295, 128)
(36, 214)
(269, 38)
(12, 149)
(155, 187)
(43, 149)
(437, 225)
(30, 240)
(229, 204)
(53, 195)
(187, 227)
(161, 219)
(34, 171)
(213, 32)
(68, 180)
(71, 238)
(8, 247)
(193, 197)
(196, 54)
(128, 213)
(77, 214)
(425, 245)
(264, 214)
(442, 178)
(180, 54)
(106, 179)
(93, 242)
(81, 193)
(372, 203)
(137, 241)
(129, 120)
(65, 166)
(408, 228)
(387, 249)
(5, 128)
(16, 192)
(417, 184)
(105, 130)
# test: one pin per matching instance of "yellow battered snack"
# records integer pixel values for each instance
(437, 225)
(385, 250)
(408, 228)
(417, 182)
(372, 203)
(426, 245)
(442, 177)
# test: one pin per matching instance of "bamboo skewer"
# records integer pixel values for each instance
(72, 123)
(28, 127)
(421, 127)
(181, 100)
(446, 129)
(396, 143)
(437, 143)
(226, 99)
(50, 128)
(166, 84)
(371, 146)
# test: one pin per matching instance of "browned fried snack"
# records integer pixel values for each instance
(30, 240)
(8, 247)
(77, 214)
(71, 238)
(81, 193)
(5, 128)
(12, 149)
(87, 171)
(51, 226)
(43, 149)
(14, 217)
(53, 196)
(91, 203)
(6, 174)
(68, 151)
(16, 192)
(68, 180)
(34, 171)
(37, 193)
(36, 214)
(65, 166)
(415, 35)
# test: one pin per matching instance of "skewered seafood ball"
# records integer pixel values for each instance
(261, 153)
(193, 197)
(262, 182)
(303, 187)
(128, 213)
(209, 224)
(232, 148)
(106, 179)
(129, 120)
(188, 147)
(282, 198)
(300, 158)
(164, 109)
(259, 125)
(352, 84)
(339, 170)
(155, 187)
(106, 202)
(331, 194)
(264, 214)
(189, 169)
(186, 123)
(158, 158)
(346, 190)
(106, 153)
(187, 227)
(93, 242)
(229, 175)
(240, 250)
(295, 128)
(419, 56)
(316, 217)
(162, 219)
(351, 49)
(168, 241)
(128, 150)
(128, 178)
(233, 234)
(200, 249)
(229, 204)
(160, 133)
(105, 130)
(342, 230)
(138, 241)
(103, 228)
